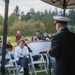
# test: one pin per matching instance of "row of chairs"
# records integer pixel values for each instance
(9, 67)
(42, 62)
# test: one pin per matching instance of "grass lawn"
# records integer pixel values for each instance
(43, 73)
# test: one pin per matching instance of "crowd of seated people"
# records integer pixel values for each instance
(22, 50)
(41, 37)
(9, 46)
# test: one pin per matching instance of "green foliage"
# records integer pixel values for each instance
(28, 16)
(1, 29)
(26, 28)
(71, 15)
(23, 17)
(1, 20)
(32, 11)
(72, 28)
(17, 11)
(50, 28)
(31, 21)
(36, 20)
(40, 26)
(12, 19)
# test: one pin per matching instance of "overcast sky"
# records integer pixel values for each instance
(25, 5)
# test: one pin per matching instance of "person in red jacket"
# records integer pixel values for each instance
(18, 36)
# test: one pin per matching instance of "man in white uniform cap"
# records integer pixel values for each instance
(63, 47)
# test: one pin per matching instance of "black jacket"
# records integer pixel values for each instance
(63, 49)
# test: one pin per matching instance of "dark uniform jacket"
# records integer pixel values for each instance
(63, 49)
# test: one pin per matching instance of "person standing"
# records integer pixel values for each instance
(18, 37)
(63, 47)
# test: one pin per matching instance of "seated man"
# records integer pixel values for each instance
(22, 56)
(8, 44)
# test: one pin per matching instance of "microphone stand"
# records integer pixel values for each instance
(49, 66)
(49, 61)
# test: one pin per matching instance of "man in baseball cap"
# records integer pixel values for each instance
(63, 47)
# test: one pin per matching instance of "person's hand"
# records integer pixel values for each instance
(20, 54)
(48, 49)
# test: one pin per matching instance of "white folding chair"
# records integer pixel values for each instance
(30, 68)
(48, 62)
(16, 67)
(41, 62)
(9, 65)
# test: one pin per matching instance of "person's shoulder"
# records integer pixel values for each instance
(25, 46)
(10, 45)
(16, 47)
(56, 35)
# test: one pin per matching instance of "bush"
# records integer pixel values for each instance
(26, 28)
(1, 30)
(22, 27)
(1, 20)
(50, 27)
(12, 19)
(40, 26)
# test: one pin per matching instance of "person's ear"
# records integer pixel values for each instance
(58, 25)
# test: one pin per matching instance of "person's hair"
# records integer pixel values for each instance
(35, 38)
(25, 39)
(21, 40)
(63, 24)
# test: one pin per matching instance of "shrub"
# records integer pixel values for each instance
(23, 27)
(1, 30)
(26, 28)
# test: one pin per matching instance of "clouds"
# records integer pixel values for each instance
(25, 5)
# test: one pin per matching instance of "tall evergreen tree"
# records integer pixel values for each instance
(17, 11)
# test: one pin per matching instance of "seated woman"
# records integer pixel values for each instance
(26, 42)
(22, 56)
(34, 39)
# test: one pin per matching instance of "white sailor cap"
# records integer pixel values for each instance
(61, 19)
